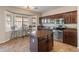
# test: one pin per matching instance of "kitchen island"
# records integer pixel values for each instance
(41, 41)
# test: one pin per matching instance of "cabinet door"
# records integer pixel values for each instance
(67, 18)
(73, 38)
(70, 17)
(42, 45)
(66, 37)
(70, 37)
(40, 20)
(74, 17)
(50, 41)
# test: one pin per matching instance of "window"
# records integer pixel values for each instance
(25, 23)
(8, 23)
(18, 23)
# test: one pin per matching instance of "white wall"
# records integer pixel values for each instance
(2, 26)
(60, 10)
(5, 36)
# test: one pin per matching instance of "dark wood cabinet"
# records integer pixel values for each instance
(70, 37)
(45, 40)
(40, 20)
(69, 17)
(42, 45)
(74, 17)
(42, 41)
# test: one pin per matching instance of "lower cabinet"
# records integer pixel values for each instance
(42, 45)
(45, 44)
(70, 37)
(41, 42)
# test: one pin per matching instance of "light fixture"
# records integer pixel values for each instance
(29, 8)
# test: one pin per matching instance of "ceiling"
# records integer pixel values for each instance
(41, 9)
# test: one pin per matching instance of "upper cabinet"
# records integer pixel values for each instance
(69, 17)
(74, 17)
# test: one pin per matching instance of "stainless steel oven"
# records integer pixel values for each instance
(58, 30)
(58, 35)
